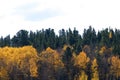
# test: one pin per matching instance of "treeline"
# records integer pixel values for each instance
(66, 56)
(47, 38)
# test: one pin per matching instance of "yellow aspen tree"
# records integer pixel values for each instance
(50, 63)
(52, 57)
(94, 69)
(81, 62)
(17, 61)
(29, 60)
(115, 66)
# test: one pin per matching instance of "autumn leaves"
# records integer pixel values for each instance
(25, 63)
(18, 61)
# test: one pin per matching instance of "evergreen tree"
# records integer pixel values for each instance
(20, 39)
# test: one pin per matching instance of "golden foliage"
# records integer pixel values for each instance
(33, 68)
(94, 69)
(20, 58)
(50, 62)
(74, 56)
(115, 66)
(66, 46)
(49, 50)
(52, 57)
(82, 60)
(102, 50)
(110, 34)
(83, 76)
(3, 74)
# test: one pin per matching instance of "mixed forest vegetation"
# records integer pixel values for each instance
(43, 55)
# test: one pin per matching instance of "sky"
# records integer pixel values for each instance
(57, 14)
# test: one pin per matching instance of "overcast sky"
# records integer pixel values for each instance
(57, 14)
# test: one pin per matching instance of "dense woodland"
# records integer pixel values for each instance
(44, 55)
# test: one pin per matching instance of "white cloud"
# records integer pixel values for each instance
(73, 13)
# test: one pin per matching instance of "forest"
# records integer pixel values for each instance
(69, 55)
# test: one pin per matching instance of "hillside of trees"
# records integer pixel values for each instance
(44, 55)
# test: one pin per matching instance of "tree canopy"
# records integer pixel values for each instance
(45, 55)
